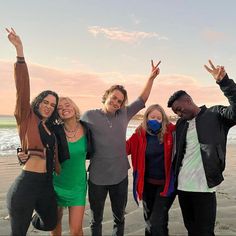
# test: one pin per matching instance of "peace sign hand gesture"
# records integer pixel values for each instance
(155, 70)
(13, 37)
(218, 72)
(16, 41)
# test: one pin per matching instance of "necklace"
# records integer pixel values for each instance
(107, 116)
(72, 136)
(71, 133)
(108, 122)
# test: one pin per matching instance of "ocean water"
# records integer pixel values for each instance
(9, 140)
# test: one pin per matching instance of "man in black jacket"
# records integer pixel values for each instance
(201, 136)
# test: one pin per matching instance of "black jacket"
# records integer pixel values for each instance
(212, 125)
(63, 150)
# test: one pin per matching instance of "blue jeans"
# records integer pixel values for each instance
(199, 212)
(97, 197)
(155, 209)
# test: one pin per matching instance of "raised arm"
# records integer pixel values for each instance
(228, 87)
(21, 75)
(16, 41)
(147, 89)
(218, 72)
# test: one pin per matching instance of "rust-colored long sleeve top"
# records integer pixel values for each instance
(27, 120)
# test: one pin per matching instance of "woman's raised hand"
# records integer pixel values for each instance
(16, 41)
(13, 37)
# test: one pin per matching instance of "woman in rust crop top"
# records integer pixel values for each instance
(33, 188)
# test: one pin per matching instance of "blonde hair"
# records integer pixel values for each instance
(76, 108)
(165, 120)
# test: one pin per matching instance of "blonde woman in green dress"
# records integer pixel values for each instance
(70, 186)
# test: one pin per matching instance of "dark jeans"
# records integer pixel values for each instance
(156, 208)
(199, 212)
(97, 197)
(31, 191)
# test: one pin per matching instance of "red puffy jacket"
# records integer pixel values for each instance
(136, 147)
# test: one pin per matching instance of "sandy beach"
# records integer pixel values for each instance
(226, 198)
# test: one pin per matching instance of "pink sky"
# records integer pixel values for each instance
(86, 87)
(80, 48)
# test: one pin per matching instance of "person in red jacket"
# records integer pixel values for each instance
(151, 149)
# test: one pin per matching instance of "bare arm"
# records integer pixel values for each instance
(147, 89)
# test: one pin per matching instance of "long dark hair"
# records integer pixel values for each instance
(37, 100)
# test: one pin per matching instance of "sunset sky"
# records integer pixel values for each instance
(80, 48)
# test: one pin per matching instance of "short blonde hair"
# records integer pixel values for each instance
(76, 108)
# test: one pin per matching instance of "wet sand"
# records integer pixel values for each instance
(226, 200)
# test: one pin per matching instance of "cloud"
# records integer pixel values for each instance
(134, 19)
(117, 34)
(213, 36)
(79, 85)
(86, 88)
(165, 85)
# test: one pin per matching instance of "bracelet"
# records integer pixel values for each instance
(20, 59)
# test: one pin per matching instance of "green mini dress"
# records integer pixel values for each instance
(71, 185)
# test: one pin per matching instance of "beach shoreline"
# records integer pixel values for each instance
(226, 204)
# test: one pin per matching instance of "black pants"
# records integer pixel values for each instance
(155, 209)
(199, 212)
(31, 191)
(118, 196)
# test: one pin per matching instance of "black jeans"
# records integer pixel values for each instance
(199, 212)
(97, 197)
(31, 191)
(155, 209)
